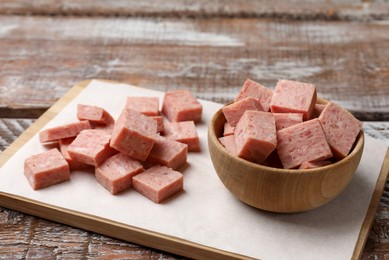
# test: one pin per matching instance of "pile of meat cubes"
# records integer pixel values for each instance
(141, 149)
(286, 128)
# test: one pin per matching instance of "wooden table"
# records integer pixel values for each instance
(208, 47)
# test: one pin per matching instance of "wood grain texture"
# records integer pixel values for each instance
(42, 57)
(294, 10)
(25, 236)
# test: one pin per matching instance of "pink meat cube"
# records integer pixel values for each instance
(158, 183)
(229, 143)
(106, 128)
(233, 112)
(134, 134)
(228, 129)
(73, 163)
(284, 120)
(168, 153)
(253, 89)
(255, 135)
(94, 114)
(160, 124)
(341, 129)
(312, 165)
(180, 105)
(148, 106)
(184, 132)
(294, 97)
(45, 169)
(63, 131)
(116, 172)
(301, 143)
(91, 147)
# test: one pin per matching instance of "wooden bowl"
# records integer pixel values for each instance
(280, 190)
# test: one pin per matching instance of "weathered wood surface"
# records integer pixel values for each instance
(209, 47)
(296, 9)
(43, 56)
(24, 236)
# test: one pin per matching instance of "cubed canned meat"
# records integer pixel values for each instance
(255, 136)
(341, 129)
(46, 169)
(284, 120)
(148, 106)
(158, 183)
(229, 143)
(184, 132)
(134, 134)
(253, 89)
(160, 124)
(180, 105)
(74, 164)
(234, 111)
(94, 114)
(228, 129)
(91, 147)
(63, 131)
(294, 97)
(312, 165)
(169, 153)
(302, 142)
(116, 172)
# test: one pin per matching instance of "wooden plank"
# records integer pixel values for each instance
(211, 57)
(301, 10)
(28, 236)
(94, 223)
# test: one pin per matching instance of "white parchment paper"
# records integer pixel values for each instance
(206, 213)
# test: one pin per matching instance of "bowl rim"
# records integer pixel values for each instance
(358, 144)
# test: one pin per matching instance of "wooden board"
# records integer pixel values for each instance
(89, 222)
(26, 236)
(129, 233)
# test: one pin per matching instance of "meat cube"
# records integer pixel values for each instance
(255, 136)
(74, 164)
(94, 114)
(180, 105)
(184, 132)
(254, 89)
(116, 172)
(284, 120)
(91, 147)
(294, 97)
(158, 183)
(233, 112)
(228, 129)
(341, 129)
(134, 134)
(312, 165)
(148, 106)
(228, 142)
(45, 169)
(160, 124)
(63, 131)
(301, 143)
(168, 153)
